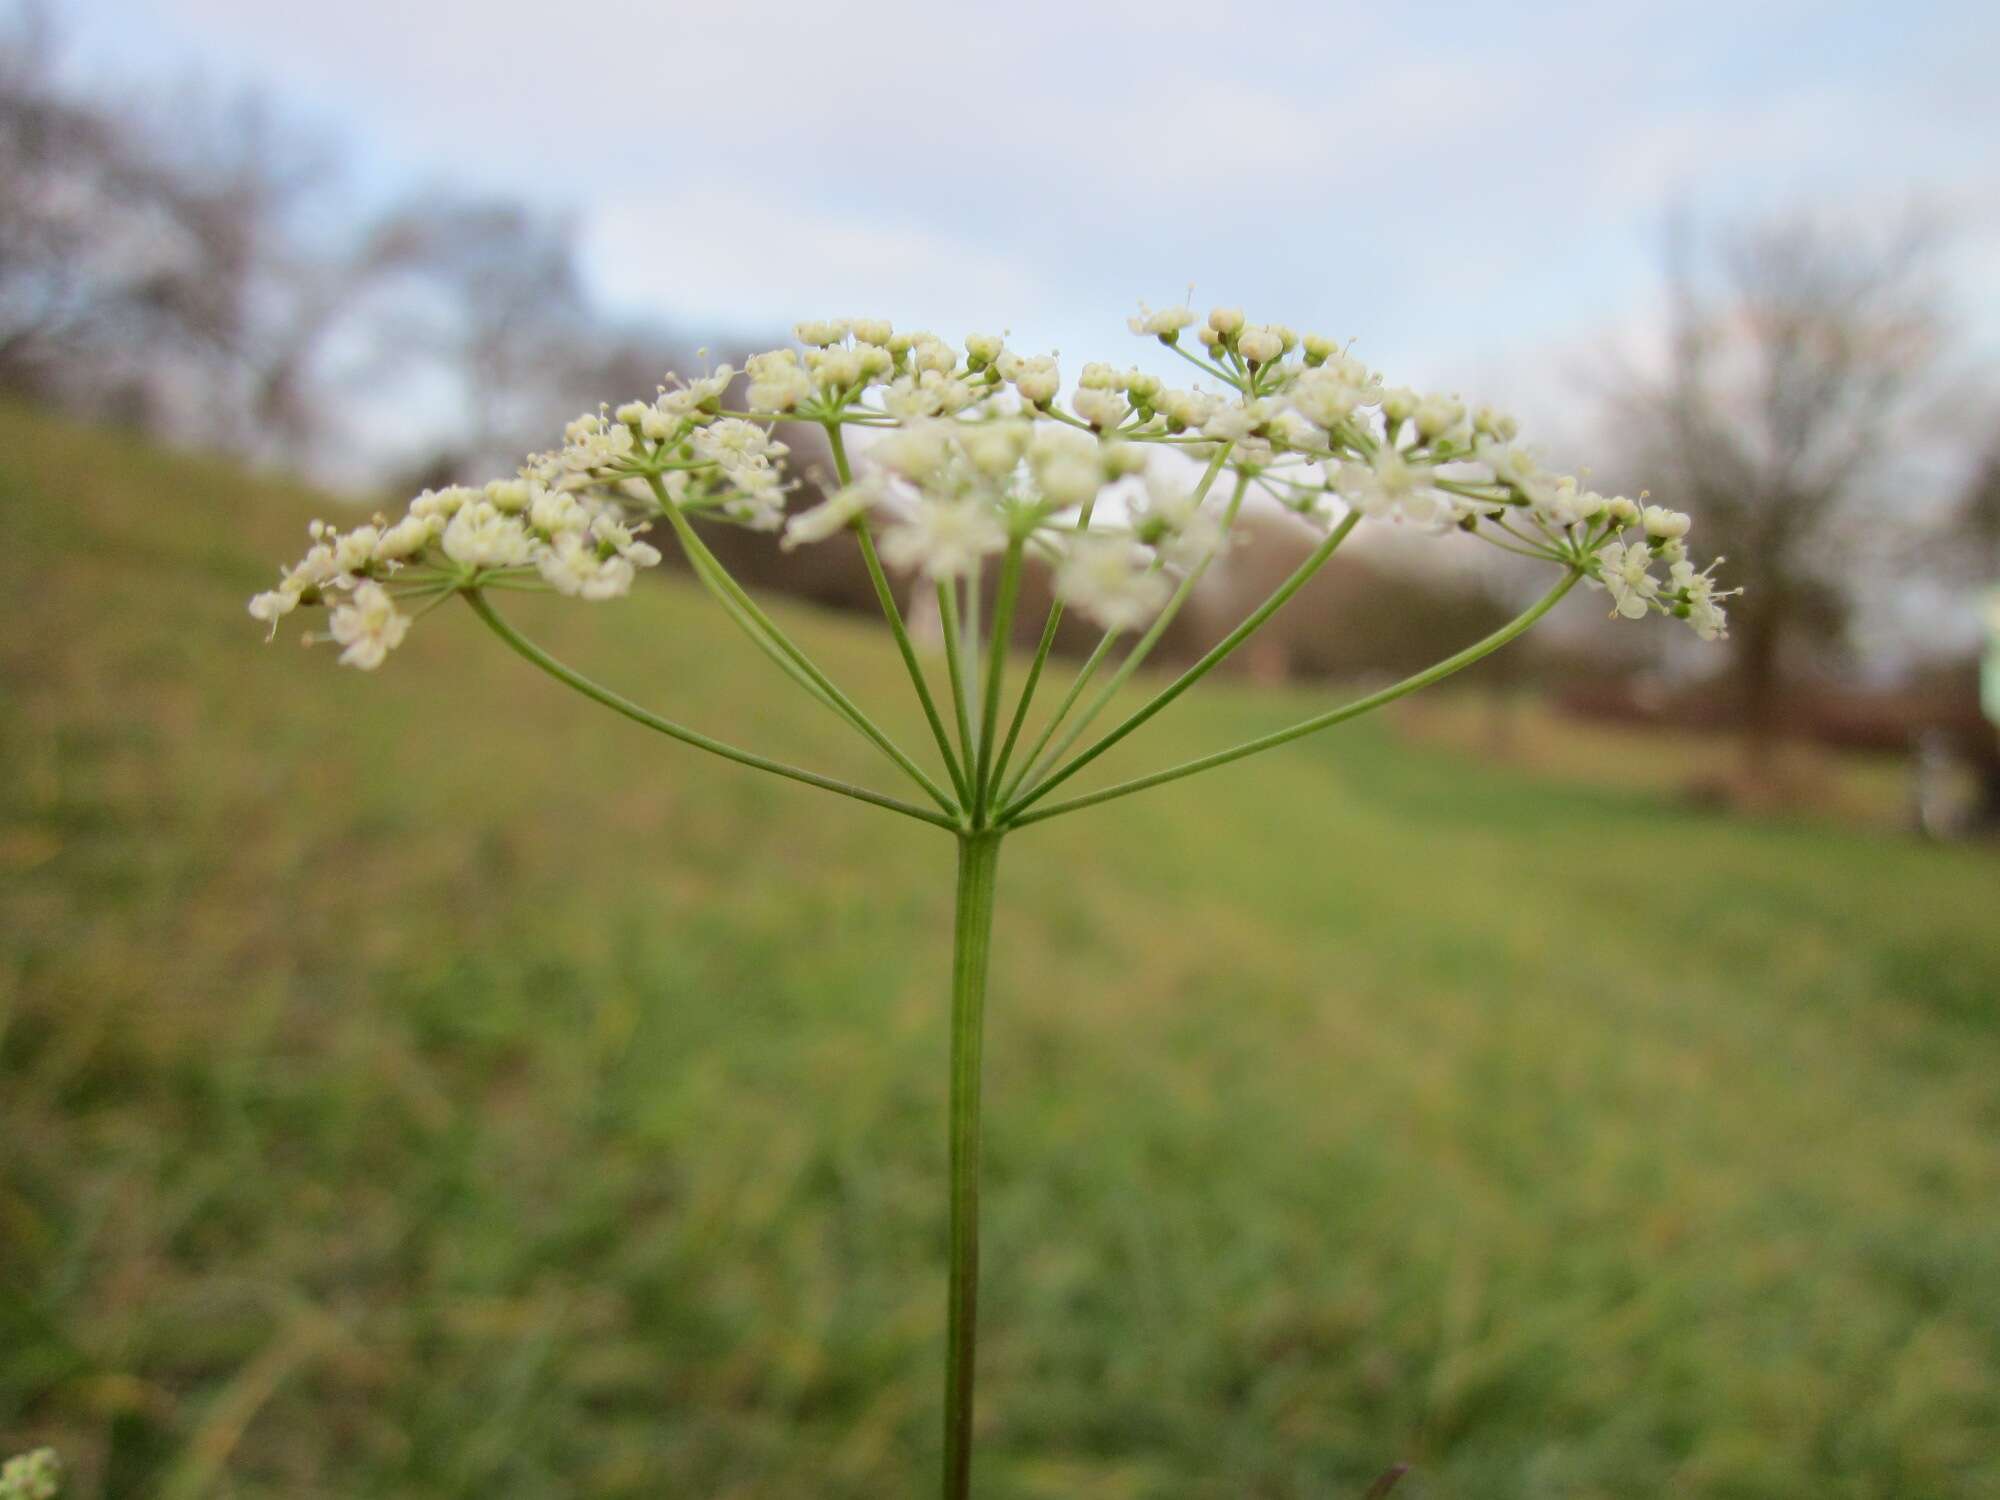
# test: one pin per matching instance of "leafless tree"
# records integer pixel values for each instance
(1799, 354)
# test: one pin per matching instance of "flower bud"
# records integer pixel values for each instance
(1664, 525)
(1260, 345)
(1226, 321)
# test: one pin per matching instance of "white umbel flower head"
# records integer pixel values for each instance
(967, 452)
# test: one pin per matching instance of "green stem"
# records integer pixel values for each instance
(1036, 763)
(540, 658)
(1033, 760)
(1143, 648)
(1034, 678)
(1455, 663)
(972, 933)
(1199, 670)
(996, 671)
(947, 598)
(695, 548)
(886, 597)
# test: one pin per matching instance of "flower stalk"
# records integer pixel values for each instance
(972, 936)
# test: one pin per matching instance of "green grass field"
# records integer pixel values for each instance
(428, 1085)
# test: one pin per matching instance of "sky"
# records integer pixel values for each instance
(1469, 192)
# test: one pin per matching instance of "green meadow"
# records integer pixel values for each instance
(428, 1085)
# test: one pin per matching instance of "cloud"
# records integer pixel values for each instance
(1440, 180)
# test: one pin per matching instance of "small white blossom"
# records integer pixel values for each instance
(1623, 570)
(481, 535)
(778, 382)
(945, 538)
(832, 515)
(1102, 409)
(1035, 377)
(1260, 345)
(1662, 524)
(1165, 324)
(369, 627)
(1108, 579)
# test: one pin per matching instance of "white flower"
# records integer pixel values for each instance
(1225, 320)
(1108, 579)
(1260, 345)
(1697, 596)
(1570, 504)
(832, 515)
(932, 356)
(1517, 469)
(778, 382)
(690, 396)
(442, 505)
(481, 535)
(355, 551)
(995, 448)
(556, 511)
(272, 606)
(405, 539)
(1036, 378)
(1325, 396)
(1664, 525)
(1389, 484)
(920, 451)
(1186, 408)
(945, 538)
(1067, 465)
(1100, 408)
(1437, 415)
(1165, 324)
(1623, 570)
(575, 564)
(369, 627)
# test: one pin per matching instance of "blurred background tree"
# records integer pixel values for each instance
(1799, 354)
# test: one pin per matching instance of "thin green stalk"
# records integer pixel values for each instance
(996, 671)
(947, 599)
(1035, 762)
(886, 596)
(1136, 657)
(1200, 669)
(695, 547)
(1034, 678)
(761, 641)
(1455, 663)
(972, 934)
(1032, 760)
(710, 573)
(540, 658)
(969, 652)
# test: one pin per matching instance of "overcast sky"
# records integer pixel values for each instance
(1464, 189)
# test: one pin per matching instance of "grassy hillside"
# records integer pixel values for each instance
(427, 1085)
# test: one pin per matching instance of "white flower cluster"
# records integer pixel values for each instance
(972, 453)
(982, 453)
